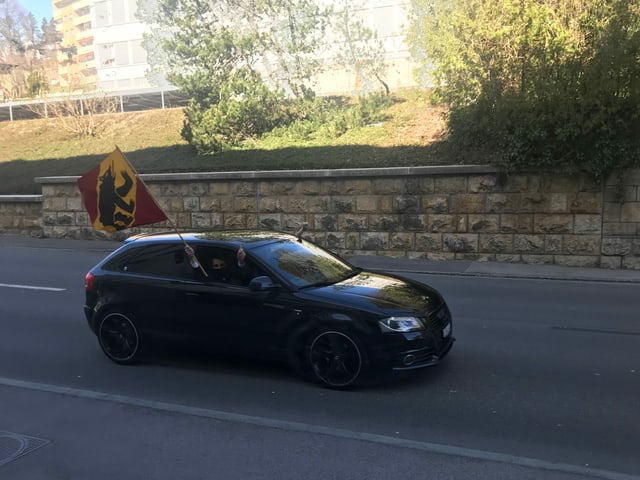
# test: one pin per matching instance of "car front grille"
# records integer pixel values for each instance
(438, 319)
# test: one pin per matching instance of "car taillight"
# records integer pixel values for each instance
(89, 282)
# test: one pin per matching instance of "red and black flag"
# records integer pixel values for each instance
(115, 197)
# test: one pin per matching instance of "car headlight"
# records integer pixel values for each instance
(400, 324)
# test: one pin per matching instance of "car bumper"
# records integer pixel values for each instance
(401, 352)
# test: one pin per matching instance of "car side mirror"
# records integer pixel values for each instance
(261, 284)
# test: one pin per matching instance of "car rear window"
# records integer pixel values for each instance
(166, 260)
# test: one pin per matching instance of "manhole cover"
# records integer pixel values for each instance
(14, 445)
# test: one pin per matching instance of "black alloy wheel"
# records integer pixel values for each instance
(335, 358)
(119, 338)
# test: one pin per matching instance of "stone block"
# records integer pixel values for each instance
(319, 204)
(538, 259)
(295, 204)
(585, 261)
(270, 204)
(527, 244)
(352, 222)
(460, 243)
(586, 202)
(343, 204)
(358, 186)
(550, 223)
(402, 241)
(442, 223)
(611, 262)
(406, 204)
(270, 222)
(293, 222)
(324, 222)
(514, 183)
(201, 220)
(374, 240)
(75, 204)
(235, 221)
(630, 212)
(412, 223)
(307, 187)
(495, 243)
(581, 244)
(498, 203)
(481, 183)
(174, 189)
(191, 204)
(245, 205)
(511, 223)
(387, 186)
(509, 257)
(198, 189)
(366, 204)
(467, 203)
(484, 223)
(450, 184)
(335, 241)
(249, 188)
(587, 224)
(558, 203)
(428, 242)
(553, 244)
(435, 203)
(616, 246)
(631, 263)
(620, 229)
(611, 212)
(384, 223)
(427, 185)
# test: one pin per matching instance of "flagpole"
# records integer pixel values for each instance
(162, 210)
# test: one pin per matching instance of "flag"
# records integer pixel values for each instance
(115, 197)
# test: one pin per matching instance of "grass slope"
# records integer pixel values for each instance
(410, 136)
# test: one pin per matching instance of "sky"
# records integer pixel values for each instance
(40, 8)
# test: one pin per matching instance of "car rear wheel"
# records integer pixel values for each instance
(336, 359)
(119, 338)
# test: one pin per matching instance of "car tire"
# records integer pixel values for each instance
(119, 338)
(335, 358)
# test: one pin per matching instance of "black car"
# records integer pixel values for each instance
(289, 299)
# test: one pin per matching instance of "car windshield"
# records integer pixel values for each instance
(304, 264)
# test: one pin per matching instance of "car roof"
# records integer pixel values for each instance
(249, 238)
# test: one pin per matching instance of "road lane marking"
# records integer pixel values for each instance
(429, 447)
(32, 287)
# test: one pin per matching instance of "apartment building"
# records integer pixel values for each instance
(76, 57)
(102, 47)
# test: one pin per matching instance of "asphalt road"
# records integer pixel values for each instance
(542, 383)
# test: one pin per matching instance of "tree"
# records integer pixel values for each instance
(546, 84)
(234, 56)
(26, 49)
(361, 50)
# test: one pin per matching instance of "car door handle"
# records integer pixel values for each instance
(192, 294)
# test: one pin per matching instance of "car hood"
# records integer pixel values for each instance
(376, 291)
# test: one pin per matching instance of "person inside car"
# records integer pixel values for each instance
(218, 270)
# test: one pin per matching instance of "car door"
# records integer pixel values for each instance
(156, 282)
(231, 317)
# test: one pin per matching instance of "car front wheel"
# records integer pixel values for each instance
(336, 359)
(119, 338)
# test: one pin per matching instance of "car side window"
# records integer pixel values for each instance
(162, 260)
(233, 274)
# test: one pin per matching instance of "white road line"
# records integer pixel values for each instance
(32, 287)
(533, 463)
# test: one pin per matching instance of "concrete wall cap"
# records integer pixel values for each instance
(285, 174)
(20, 198)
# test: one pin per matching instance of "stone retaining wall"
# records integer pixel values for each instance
(21, 214)
(457, 212)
